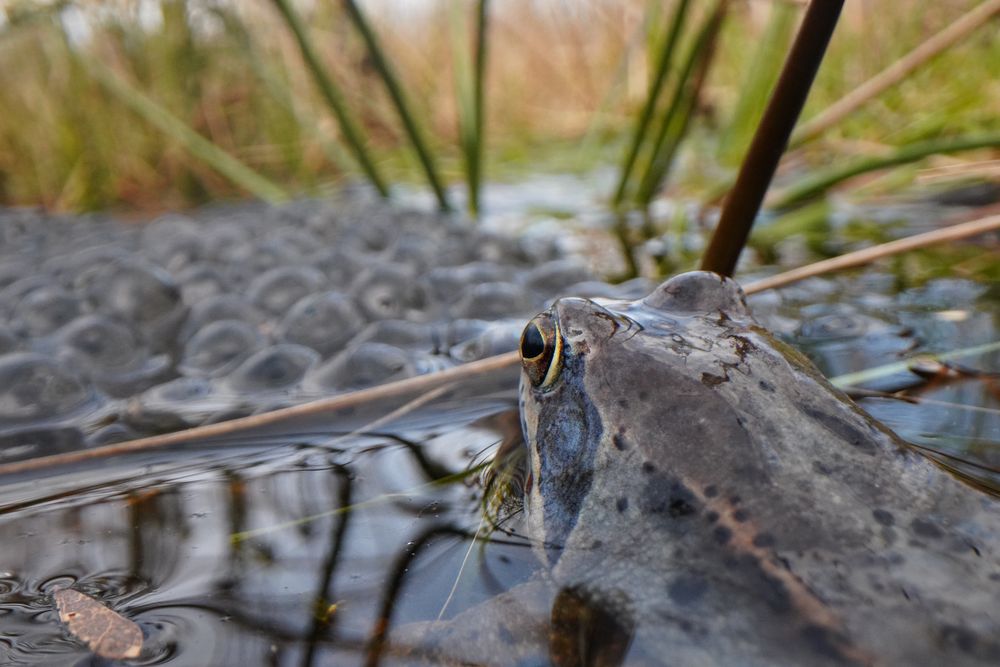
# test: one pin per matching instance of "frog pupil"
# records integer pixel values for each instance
(532, 343)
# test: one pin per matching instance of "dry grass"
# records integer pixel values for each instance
(559, 71)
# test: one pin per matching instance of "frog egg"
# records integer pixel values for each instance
(553, 277)
(361, 366)
(493, 247)
(177, 404)
(445, 285)
(276, 368)
(326, 322)
(400, 333)
(111, 434)
(218, 348)
(462, 330)
(8, 341)
(39, 441)
(143, 295)
(66, 267)
(417, 250)
(275, 291)
(12, 295)
(100, 344)
(374, 233)
(494, 300)
(201, 281)
(388, 292)
(35, 388)
(301, 242)
(499, 338)
(248, 259)
(172, 241)
(13, 269)
(219, 237)
(43, 310)
(221, 307)
(339, 265)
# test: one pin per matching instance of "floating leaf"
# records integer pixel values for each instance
(107, 633)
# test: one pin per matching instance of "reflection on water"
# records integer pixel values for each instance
(260, 553)
(301, 547)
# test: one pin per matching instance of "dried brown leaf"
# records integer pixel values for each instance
(107, 633)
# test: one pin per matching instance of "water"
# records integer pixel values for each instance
(299, 545)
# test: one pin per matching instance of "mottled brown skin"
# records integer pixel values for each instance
(702, 496)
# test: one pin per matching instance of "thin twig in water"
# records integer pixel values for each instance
(869, 255)
(393, 389)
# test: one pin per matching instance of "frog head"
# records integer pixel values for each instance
(617, 395)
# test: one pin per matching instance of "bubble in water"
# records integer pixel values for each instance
(325, 322)
(219, 347)
(340, 266)
(275, 291)
(277, 367)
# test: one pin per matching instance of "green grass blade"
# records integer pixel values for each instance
(392, 85)
(200, 147)
(664, 58)
(761, 77)
(331, 94)
(819, 183)
(662, 151)
(477, 139)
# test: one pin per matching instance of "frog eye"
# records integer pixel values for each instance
(541, 351)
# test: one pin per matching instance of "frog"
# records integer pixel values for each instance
(699, 494)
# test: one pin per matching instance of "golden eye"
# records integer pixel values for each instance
(541, 351)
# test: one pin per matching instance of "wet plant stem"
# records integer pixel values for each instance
(332, 96)
(395, 91)
(772, 136)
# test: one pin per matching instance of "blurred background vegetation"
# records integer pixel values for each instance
(153, 104)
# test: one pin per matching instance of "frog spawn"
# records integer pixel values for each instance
(190, 319)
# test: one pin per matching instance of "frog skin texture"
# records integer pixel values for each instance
(701, 495)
